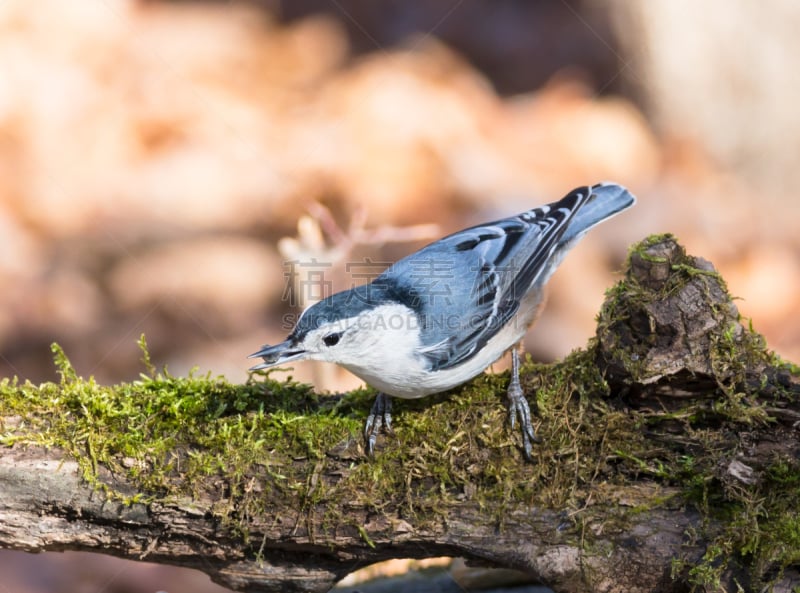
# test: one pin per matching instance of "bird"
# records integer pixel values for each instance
(439, 317)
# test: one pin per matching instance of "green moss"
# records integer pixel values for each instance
(175, 437)
(247, 445)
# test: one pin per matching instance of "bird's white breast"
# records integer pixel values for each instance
(390, 361)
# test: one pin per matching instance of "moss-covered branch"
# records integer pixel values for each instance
(669, 458)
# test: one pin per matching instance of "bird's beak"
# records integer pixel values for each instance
(286, 351)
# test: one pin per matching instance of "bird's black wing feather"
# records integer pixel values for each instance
(467, 286)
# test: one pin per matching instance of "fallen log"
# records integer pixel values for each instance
(670, 458)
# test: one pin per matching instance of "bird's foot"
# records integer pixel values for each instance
(517, 404)
(380, 418)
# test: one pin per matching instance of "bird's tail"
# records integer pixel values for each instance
(607, 199)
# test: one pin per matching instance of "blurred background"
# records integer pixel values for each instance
(200, 171)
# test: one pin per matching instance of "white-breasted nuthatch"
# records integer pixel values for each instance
(441, 316)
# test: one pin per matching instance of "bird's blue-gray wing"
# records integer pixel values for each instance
(467, 286)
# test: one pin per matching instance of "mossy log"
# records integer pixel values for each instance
(670, 459)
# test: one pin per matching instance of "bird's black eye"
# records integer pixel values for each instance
(332, 339)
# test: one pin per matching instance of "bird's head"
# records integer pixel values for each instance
(326, 342)
(347, 328)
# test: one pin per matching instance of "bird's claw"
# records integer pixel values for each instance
(380, 418)
(517, 404)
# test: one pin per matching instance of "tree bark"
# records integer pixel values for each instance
(662, 345)
(46, 506)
